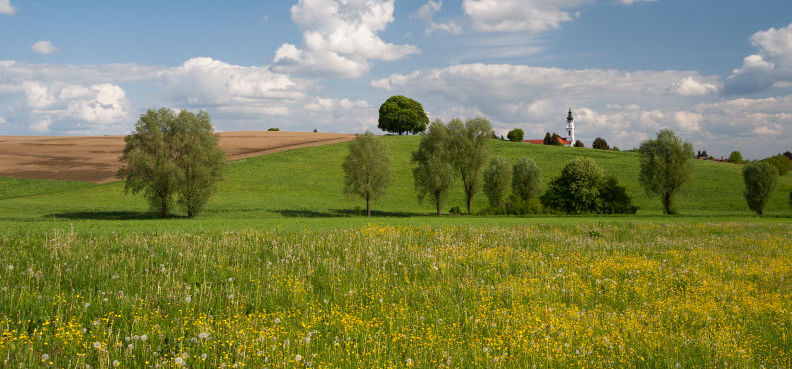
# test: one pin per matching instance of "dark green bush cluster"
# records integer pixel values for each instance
(583, 187)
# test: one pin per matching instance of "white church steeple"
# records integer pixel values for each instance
(570, 129)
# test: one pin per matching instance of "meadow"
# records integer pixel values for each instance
(282, 271)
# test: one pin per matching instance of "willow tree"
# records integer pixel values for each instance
(434, 173)
(666, 164)
(367, 168)
(469, 149)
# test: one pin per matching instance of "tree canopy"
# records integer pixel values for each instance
(497, 180)
(400, 114)
(600, 144)
(526, 179)
(515, 135)
(367, 168)
(666, 165)
(736, 157)
(760, 181)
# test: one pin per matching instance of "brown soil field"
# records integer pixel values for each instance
(95, 158)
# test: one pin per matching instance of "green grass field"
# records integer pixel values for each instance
(281, 271)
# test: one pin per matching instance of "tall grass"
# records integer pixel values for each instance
(597, 295)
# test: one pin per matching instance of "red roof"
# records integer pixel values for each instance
(562, 140)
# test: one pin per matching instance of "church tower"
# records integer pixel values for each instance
(570, 129)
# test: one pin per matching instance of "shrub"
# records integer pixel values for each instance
(781, 163)
(615, 199)
(735, 157)
(515, 135)
(576, 190)
(273, 129)
(526, 179)
(760, 180)
(600, 144)
(579, 143)
(496, 182)
(517, 206)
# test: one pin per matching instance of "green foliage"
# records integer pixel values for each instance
(146, 161)
(576, 190)
(666, 165)
(781, 163)
(198, 158)
(515, 135)
(552, 139)
(517, 206)
(469, 150)
(579, 143)
(434, 174)
(526, 179)
(367, 169)
(615, 199)
(273, 129)
(173, 155)
(600, 144)
(735, 157)
(760, 181)
(400, 114)
(497, 182)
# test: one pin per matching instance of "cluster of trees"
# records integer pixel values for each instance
(173, 156)
(552, 139)
(583, 187)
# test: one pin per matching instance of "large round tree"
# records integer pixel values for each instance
(400, 114)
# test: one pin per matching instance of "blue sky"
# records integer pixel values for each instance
(719, 73)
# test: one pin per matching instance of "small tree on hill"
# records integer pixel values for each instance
(615, 199)
(666, 164)
(760, 180)
(434, 174)
(579, 143)
(497, 181)
(400, 114)
(600, 144)
(469, 151)
(515, 135)
(198, 159)
(146, 163)
(735, 157)
(526, 179)
(367, 169)
(788, 154)
(548, 139)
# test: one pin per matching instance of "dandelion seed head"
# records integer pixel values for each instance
(97, 345)
(297, 357)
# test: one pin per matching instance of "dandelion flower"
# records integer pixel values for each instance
(144, 338)
(97, 345)
(188, 299)
(179, 361)
(116, 363)
(44, 357)
(277, 321)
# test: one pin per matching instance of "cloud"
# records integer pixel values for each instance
(44, 48)
(630, 2)
(322, 104)
(6, 7)
(771, 65)
(690, 87)
(519, 15)
(339, 38)
(2, 120)
(427, 12)
(205, 82)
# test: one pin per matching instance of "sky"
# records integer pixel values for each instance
(716, 72)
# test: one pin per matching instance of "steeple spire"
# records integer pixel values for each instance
(571, 128)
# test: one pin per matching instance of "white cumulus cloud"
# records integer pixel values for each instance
(44, 47)
(6, 7)
(519, 15)
(340, 37)
(772, 64)
(691, 87)
(322, 104)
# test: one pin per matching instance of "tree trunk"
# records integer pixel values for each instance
(164, 207)
(469, 200)
(667, 202)
(368, 207)
(437, 201)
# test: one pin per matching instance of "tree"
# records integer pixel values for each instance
(548, 139)
(198, 159)
(577, 189)
(434, 175)
(526, 179)
(666, 164)
(367, 168)
(781, 163)
(515, 135)
(600, 144)
(579, 143)
(760, 180)
(788, 154)
(170, 156)
(400, 114)
(497, 181)
(146, 163)
(735, 157)
(468, 147)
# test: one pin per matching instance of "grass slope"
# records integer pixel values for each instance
(307, 183)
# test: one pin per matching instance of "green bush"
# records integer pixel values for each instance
(600, 144)
(526, 179)
(579, 143)
(615, 199)
(576, 190)
(517, 206)
(781, 163)
(273, 129)
(735, 157)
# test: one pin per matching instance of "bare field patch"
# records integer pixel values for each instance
(95, 158)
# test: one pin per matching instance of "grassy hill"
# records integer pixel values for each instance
(307, 183)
